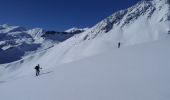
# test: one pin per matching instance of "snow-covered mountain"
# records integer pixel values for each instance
(76, 30)
(147, 20)
(89, 65)
(16, 41)
(144, 22)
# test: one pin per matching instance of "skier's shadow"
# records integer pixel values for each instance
(44, 73)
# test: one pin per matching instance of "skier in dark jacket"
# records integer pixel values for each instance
(119, 45)
(37, 68)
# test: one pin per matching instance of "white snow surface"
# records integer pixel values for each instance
(89, 65)
(146, 21)
(130, 73)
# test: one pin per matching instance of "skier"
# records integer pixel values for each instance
(119, 45)
(37, 68)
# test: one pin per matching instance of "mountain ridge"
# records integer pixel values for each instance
(144, 22)
(21, 41)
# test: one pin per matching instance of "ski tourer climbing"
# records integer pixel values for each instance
(37, 68)
(119, 45)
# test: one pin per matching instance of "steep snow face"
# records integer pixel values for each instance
(146, 21)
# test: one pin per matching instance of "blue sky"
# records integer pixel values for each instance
(59, 14)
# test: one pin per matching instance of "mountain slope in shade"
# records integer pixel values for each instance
(16, 41)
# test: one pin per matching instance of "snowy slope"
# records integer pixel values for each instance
(131, 73)
(16, 41)
(144, 22)
(89, 66)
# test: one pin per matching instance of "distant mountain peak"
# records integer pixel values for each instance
(5, 25)
(159, 0)
(74, 29)
(151, 15)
